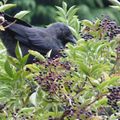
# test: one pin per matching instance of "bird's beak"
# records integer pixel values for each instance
(72, 39)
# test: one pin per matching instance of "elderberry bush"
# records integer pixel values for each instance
(72, 86)
(56, 78)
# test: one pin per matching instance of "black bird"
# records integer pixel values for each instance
(54, 37)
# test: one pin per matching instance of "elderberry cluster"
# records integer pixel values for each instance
(87, 36)
(55, 75)
(15, 116)
(73, 113)
(109, 27)
(105, 29)
(114, 98)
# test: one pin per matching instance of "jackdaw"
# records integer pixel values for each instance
(54, 37)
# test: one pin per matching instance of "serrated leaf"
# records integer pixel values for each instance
(36, 54)
(99, 48)
(107, 83)
(97, 22)
(12, 60)
(77, 25)
(8, 69)
(21, 14)
(100, 102)
(61, 19)
(64, 5)
(6, 7)
(24, 59)
(71, 11)
(95, 68)
(18, 51)
(60, 15)
(87, 23)
(5, 78)
(61, 10)
(73, 31)
(84, 68)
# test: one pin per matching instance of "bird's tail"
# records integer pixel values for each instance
(6, 19)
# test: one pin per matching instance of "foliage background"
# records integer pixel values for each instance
(43, 11)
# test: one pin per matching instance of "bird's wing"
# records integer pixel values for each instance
(19, 32)
(41, 40)
(35, 38)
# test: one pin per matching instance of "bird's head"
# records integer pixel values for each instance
(63, 33)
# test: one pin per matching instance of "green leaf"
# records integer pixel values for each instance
(61, 19)
(1, 3)
(18, 51)
(71, 12)
(100, 48)
(64, 5)
(115, 7)
(27, 110)
(61, 10)
(24, 59)
(33, 98)
(87, 23)
(115, 2)
(12, 60)
(21, 14)
(102, 101)
(77, 25)
(96, 67)
(8, 69)
(2, 51)
(5, 78)
(73, 31)
(36, 54)
(6, 7)
(83, 67)
(107, 83)
(97, 22)
(33, 68)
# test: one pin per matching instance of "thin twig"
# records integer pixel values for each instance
(10, 24)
